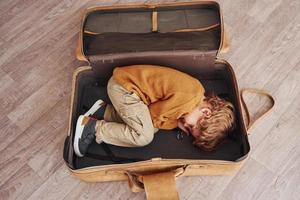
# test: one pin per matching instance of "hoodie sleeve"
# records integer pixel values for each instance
(167, 111)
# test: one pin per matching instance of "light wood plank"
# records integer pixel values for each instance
(21, 184)
(38, 136)
(249, 182)
(36, 105)
(281, 143)
(286, 184)
(253, 48)
(12, 9)
(289, 87)
(46, 161)
(57, 186)
(9, 132)
(203, 187)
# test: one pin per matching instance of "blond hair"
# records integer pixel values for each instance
(215, 128)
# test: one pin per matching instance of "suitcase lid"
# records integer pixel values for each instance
(189, 28)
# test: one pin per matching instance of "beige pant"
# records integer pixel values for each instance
(127, 122)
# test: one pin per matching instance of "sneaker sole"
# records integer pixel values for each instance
(78, 134)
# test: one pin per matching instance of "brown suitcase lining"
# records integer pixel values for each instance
(131, 30)
(109, 43)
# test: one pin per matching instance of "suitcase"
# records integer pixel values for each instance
(186, 36)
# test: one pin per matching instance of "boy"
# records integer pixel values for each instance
(146, 98)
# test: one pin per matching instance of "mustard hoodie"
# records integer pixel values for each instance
(167, 92)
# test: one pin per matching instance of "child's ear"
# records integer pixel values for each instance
(207, 112)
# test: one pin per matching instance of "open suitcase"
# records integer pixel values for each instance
(186, 36)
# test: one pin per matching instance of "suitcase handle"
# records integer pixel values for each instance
(250, 122)
(160, 185)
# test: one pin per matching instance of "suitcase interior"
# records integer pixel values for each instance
(120, 37)
(130, 29)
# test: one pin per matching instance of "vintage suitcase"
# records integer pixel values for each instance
(186, 36)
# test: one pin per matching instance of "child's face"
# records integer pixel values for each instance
(190, 120)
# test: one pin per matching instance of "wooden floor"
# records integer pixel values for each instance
(37, 44)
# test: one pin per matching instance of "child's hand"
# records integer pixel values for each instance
(181, 126)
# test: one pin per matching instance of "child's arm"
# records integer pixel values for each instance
(165, 111)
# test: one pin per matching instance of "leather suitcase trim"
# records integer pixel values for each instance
(192, 168)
